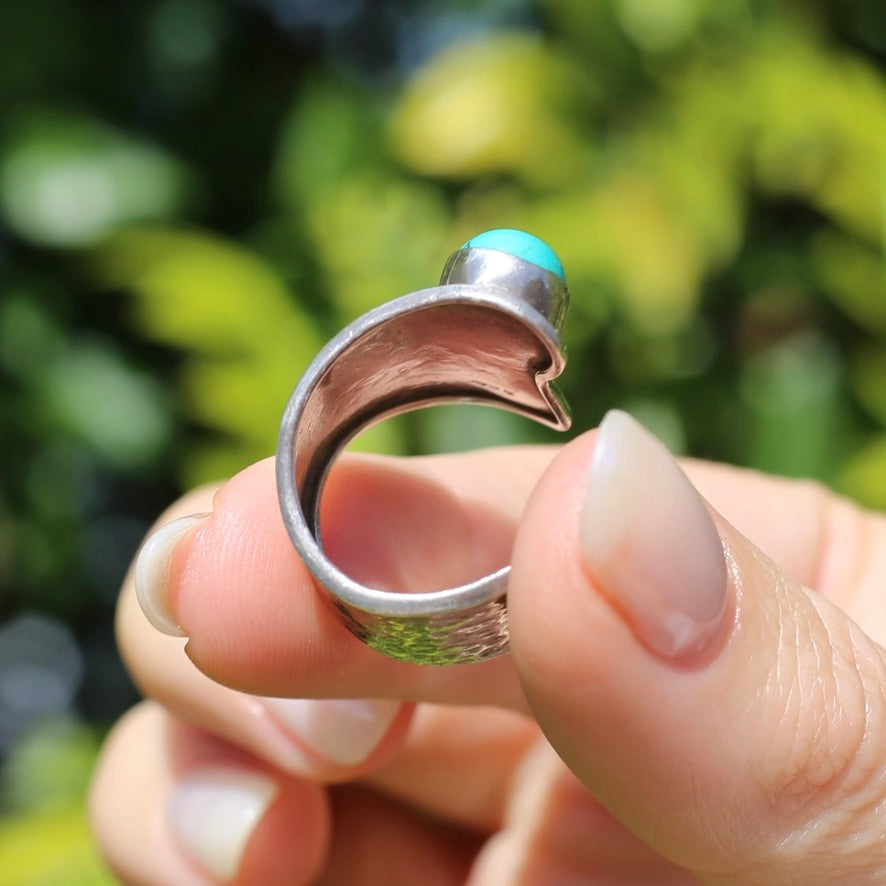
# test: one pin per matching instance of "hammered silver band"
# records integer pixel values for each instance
(489, 333)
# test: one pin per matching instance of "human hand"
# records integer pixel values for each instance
(677, 708)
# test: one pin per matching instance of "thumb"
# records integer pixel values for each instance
(732, 719)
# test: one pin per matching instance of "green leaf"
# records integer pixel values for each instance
(245, 338)
(499, 104)
(864, 475)
(50, 848)
(122, 414)
(50, 766)
(463, 427)
(378, 238)
(66, 180)
(854, 277)
(820, 127)
(868, 380)
(45, 840)
(793, 391)
(332, 133)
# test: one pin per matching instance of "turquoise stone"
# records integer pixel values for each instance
(521, 245)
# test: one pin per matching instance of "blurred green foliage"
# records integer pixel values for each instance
(195, 194)
(44, 833)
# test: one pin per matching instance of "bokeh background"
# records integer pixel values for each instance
(195, 194)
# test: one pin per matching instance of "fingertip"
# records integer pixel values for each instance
(619, 552)
(173, 804)
(257, 621)
(559, 622)
(649, 543)
(714, 705)
(151, 573)
(240, 822)
(288, 840)
(625, 706)
(340, 734)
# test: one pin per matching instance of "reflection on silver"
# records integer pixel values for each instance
(489, 333)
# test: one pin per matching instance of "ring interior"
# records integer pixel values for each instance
(432, 354)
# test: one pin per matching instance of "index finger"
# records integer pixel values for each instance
(256, 622)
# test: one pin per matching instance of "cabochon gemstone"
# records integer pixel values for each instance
(520, 244)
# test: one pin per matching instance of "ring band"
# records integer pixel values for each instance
(489, 333)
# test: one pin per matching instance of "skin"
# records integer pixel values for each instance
(587, 759)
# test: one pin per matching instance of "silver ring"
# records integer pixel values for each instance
(489, 333)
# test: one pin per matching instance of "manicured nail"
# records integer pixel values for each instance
(649, 540)
(213, 813)
(342, 731)
(152, 573)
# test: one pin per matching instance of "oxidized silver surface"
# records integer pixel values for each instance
(489, 333)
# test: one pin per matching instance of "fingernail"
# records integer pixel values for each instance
(649, 541)
(152, 573)
(342, 731)
(213, 813)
